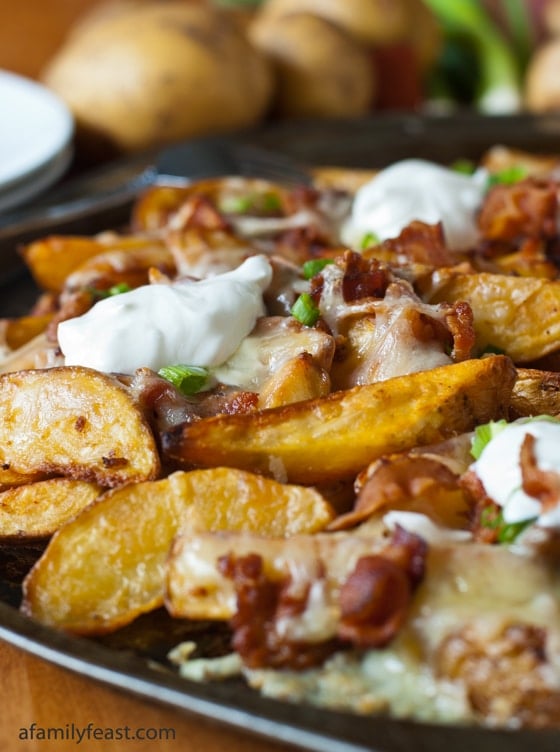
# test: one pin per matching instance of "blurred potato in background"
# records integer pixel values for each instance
(139, 74)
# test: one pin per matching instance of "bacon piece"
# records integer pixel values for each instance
(542, 484)
(363, 278)
(421, 243)
(260, 603)
(384, 328)
(373, 602)
(165, 406)
(293, 601)
(525, 209)
(485, 513)
(198, 211)
(459, 320)
(408, 482)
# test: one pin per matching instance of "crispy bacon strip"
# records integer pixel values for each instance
(421, 243)
(261, 602)
(525, 209)
(412, 482)
(542, 484)
(371, 600)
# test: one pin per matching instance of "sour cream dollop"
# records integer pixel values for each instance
(499, 470)
(415, 189)
(199, 323)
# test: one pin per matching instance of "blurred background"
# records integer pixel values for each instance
(142, 73)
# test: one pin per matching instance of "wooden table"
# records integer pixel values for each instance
(33, 691)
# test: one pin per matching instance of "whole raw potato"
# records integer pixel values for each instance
(159, 72)
(370, 21)
(321, 71)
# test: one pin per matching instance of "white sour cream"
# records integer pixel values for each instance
(415, 189)
(499, 470)
(195, 323)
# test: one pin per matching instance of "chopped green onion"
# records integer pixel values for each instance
(507, 532)
(369, 239)
(270, 202)
(314, 266)
(305, 310)
(187, 379)
(236, 204)
(484, 434)
(464, 166)
(260, 202)
(117, 289)
(508, 176)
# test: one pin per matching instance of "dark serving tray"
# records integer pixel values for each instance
(371, 142)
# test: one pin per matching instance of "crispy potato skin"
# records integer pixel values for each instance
(535, 393)
(74, 422)
(335, 437)
(518, 315)
(37, 510)
(52, 259)
(107, 566)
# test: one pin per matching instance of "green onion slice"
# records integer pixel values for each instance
(484, 434)
(464, 166)
(508, 176)
(305, 310)
(369, 239)
(187, 379)
(110, 291)
(243, 204)
(507, 532)
(314, 266)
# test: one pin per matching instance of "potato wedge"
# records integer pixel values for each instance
(535, 393)
(50, 260)
(20, 331)
(333, 438)
(129, 266)
(107, 566)
(74, 422)
(518, 315)
(298, 379)
(37, 510)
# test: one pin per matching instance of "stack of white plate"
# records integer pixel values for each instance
(36, 137)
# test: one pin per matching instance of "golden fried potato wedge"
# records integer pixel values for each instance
(18, 332)
(333, 438)
(36, 510)
(519, 316)
(50, 260)
(74, 422)
(117, 266)
(535, 393)
(107, 566)
(300, 378)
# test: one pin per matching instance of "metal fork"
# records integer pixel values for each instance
(215, 157)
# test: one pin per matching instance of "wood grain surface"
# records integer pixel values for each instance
(33, 691)
(32, 30)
